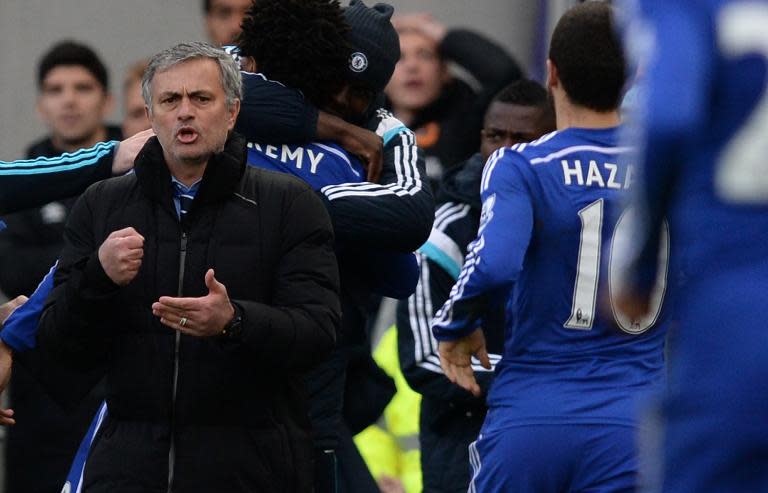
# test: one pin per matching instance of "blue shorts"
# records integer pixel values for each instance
(555, 459)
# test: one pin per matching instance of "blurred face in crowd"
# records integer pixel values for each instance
(73, 104)
(135, 114)
(509, 124)
(419, 75)
(189, 112)
(222, 21)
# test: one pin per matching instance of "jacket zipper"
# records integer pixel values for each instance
(179, 292)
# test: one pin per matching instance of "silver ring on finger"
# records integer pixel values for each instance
(183, 321)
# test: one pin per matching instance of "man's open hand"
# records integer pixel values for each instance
(456, 360)
(205, 316)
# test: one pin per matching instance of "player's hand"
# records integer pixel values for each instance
(361, 142)
(120, 255)
(8, 307)
(423, 23)
(456, 360)
(6, 364)
(367, 146)
(128, 150)
(205, 316)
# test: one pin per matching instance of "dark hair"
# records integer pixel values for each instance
(588, 55)
(72, 53)
(523, 92)
(300, 43)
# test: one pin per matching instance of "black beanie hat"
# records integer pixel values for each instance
(374, 42)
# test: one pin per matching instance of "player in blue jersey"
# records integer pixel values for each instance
(705, 168)
(563, 406)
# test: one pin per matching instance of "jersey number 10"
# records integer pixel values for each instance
(586, 290)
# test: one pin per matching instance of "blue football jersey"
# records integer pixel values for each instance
(704, 164)
(705, 146)
(319, 163)
(552, 218)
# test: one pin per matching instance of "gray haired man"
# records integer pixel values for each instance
(203, 288)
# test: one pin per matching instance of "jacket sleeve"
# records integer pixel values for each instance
(299, 327)
(34, 182)
(417, 347)
(272, 112)
(78, 309)
(485, 60)
(20, 330)
(396, 214)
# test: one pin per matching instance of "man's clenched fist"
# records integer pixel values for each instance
(120, 255)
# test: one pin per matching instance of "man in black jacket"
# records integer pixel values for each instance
(187, 350)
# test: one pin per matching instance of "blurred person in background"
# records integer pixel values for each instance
(451, 417)
(73, 101)
(223, 19)
(702, 137)
(445, 109)
(134, 115)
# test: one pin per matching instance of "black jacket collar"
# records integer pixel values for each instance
(220, 180)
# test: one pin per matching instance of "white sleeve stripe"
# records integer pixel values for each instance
(445, 314)
(489, 167)
(586, 148)
(420, 311)
(414, 310)
(440, 210)
(408, 176)
(446, 220)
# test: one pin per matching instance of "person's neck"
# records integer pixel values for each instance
(569, 115)
(74, 145)
(186, 172)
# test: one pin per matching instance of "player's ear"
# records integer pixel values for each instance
(553, 79)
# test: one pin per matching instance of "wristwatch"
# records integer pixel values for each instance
(234, 328)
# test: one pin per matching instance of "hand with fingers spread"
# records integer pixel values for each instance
(120, 255)
(456, 360)
(205, 316)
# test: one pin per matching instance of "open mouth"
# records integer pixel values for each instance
(186, 135)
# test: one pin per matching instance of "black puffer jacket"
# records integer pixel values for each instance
(234, 419)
